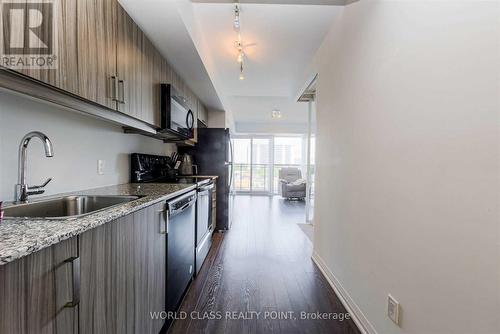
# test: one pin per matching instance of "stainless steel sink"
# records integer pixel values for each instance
(65, 207)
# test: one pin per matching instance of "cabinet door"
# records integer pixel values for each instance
(129, 64)
(166, 72)
(35, 291)
(151, 79)
(124, 274)
(96, 22)
(57, 29)
(106, 282)
(202, 113)
(151, 264)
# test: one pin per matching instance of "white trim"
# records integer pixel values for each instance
(357, 315)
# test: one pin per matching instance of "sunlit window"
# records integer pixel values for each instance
(258, 160)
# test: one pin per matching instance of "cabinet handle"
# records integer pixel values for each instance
(114, 88)
(75, 273)
(164, 213)
(121, 91)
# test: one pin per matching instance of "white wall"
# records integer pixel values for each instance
(79, 141)
(408, 158)
(273, 127)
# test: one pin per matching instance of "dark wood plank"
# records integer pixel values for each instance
(263, 264)
(34, 292)
(130, 63)
(124, 274)
(96, 62)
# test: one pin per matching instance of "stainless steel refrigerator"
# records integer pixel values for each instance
(213, 154)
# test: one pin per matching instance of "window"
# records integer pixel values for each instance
(258, 160)
(241, 164)
(261, 164)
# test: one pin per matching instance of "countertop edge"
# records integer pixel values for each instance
(78, 226)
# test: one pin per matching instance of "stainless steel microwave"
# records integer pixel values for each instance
(176, 118)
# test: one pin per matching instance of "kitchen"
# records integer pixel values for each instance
(111, 119)
(260, 166)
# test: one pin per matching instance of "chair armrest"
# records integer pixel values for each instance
(284, 181)
(299, 181)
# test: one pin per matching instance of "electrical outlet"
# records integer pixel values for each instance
(393, 309)
(100, 166)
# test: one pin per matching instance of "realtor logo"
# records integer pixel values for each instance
(28, 39)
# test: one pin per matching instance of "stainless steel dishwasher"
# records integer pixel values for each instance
(180, 247)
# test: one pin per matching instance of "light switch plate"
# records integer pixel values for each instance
(393, 309)
(101, 164)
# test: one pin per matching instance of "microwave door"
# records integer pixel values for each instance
(177, 117)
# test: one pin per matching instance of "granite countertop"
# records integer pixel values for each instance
(21, 237)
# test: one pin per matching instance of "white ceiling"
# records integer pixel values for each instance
(258, 108)
(286, 38)
(198, 39)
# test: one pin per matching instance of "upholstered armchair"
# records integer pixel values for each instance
(292, 184)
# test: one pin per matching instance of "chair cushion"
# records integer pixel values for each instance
(295, 187)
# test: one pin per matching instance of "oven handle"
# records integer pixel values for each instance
(207, 236)
(205, 188)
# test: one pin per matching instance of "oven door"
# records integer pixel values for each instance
(204, 226)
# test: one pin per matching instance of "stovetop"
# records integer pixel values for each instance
(146, 168)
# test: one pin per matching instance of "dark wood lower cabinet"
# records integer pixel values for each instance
(123, 274)
(122, 280)
(35, 290)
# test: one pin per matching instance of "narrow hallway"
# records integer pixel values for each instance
(263, 264)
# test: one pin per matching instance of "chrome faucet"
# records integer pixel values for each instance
(22, 189)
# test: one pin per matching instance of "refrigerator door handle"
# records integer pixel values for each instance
(232, 151)
(231, 163)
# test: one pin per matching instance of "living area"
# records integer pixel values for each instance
(280, 166)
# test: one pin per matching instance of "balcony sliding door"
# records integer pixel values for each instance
(261, 165)
(252, 165)
(242, 164)
(258, 160)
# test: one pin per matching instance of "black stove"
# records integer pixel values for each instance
(147, 168)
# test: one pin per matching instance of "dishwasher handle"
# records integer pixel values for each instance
(185, 201)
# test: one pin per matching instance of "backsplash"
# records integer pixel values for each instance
(79, 142)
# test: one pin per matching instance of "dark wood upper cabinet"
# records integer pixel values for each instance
(96, 43)
(57, 33)
(129, 65)
(103, 57)
(152, 78)
(35, 292)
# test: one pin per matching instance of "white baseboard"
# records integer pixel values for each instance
(357, 316)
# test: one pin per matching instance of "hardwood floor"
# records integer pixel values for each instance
(263, 264)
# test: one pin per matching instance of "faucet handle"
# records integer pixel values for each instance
(41, 186)
(38, 191)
